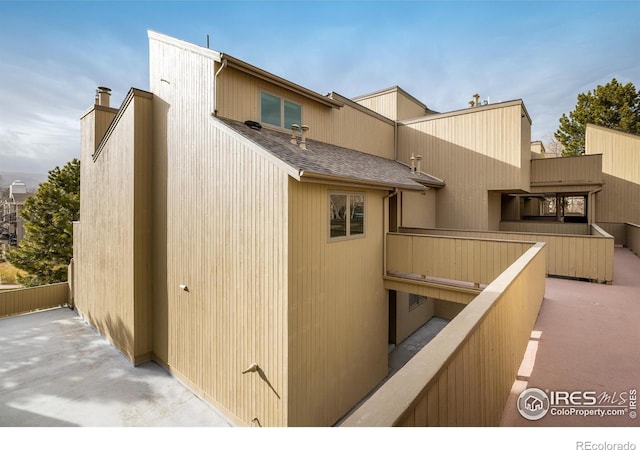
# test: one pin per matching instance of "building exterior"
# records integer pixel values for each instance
(243, 239)
(12, 225)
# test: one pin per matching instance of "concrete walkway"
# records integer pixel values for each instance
(586, 338)
(56, 371)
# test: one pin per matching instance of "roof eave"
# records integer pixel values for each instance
(307, 175)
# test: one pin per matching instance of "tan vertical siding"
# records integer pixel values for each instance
(589, 257)
(473, 151)
(221, 226)
(619, 200)
(385, 103)
(20, 301)
(449, 382)
(112, 292)
(409, 320)
(577, 170)
(617, 230)
(418, 209)
(522, 226)
(239, 99)
(633, 238)
(337, 309)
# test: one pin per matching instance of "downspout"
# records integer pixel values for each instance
(385, 227)
(215, 87)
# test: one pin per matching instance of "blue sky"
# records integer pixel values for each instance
(54, 54)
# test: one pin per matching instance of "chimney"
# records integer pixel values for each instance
(419, 163)
(294, 129)
(476, 99)
(303, 138)
(102, 95)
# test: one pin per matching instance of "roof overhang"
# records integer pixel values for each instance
(318, 177)
(274, 79)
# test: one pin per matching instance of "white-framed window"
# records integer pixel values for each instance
(278, 111)
(347, 214)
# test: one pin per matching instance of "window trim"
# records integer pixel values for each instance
(348, 236)
(282, 100)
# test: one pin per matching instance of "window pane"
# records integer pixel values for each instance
(337, 215)
(270, 109)
(292, 114)
(356, 206)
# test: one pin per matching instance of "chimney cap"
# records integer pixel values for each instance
(104, 89)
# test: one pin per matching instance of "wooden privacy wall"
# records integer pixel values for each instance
(522, 226)
(20, 301)
(617, 230)
(576, 170)
(463, 377)
(474, 260)
(633, 237)
(589, 257)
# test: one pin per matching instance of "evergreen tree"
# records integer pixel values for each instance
(47, 248)
(613, 105)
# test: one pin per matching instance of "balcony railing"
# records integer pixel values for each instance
(463, 377)
(574, 171)
(574, 256)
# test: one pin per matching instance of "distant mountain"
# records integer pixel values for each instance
(32, 180)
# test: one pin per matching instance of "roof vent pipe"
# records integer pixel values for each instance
(413, 163)
(294, 130)
(476, 99)
(303, 138)
(103, 94)
(419, 163)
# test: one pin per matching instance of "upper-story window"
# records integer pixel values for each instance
(346, 215)
(279, 112)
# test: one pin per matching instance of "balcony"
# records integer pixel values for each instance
(570, 173)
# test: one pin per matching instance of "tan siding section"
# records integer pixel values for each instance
(220, 220)
(633, 238)
(577, 170)
(522, 226)
(20, 301)
(589, 257)
(473, 152)
(409, 320)
(418, 209)
(112, 289)
(449, 382)
(239, 99)
(619, 200)
(337, 309)
(385, 103)
(475, 261)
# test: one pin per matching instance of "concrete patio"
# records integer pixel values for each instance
(586, 338)
(56, 371)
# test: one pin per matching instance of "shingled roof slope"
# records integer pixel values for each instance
(333, 161)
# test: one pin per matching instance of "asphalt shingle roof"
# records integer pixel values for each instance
(333, 161)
